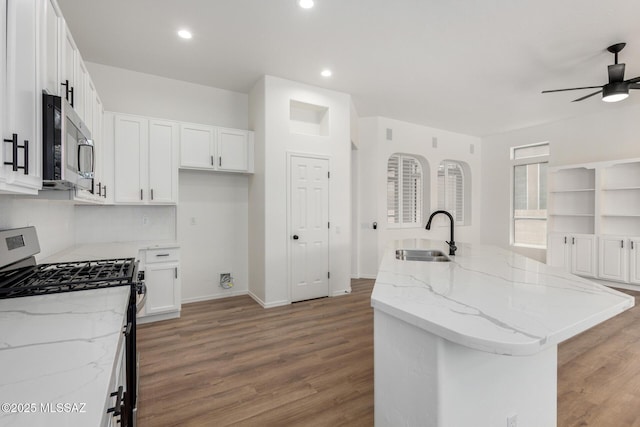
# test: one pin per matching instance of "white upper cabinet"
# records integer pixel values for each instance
(163, 165)
(218, 149)
(20, 99)
(197, 146)
(146, 171)
(50, 47)
(69, 57)
(234, 147)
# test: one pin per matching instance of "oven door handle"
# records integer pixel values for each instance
(141, 290)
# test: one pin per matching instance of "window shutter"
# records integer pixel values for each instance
(393, 190)
(404, 190)
(451, 189)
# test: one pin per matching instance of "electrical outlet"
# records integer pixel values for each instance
(512, 421)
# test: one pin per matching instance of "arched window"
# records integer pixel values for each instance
(404, 190)
(452, 191)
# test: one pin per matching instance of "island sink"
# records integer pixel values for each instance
(429, 255)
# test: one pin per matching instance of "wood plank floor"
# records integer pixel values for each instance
(230, 362)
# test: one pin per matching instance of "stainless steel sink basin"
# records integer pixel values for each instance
(429, 255)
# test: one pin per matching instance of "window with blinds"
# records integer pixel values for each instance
(451, 196)
(404, 190)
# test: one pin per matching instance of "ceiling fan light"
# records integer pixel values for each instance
(614, 92)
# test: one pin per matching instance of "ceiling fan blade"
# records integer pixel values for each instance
(633, 80)
(616, 73)
(588, 96)
(573, 88)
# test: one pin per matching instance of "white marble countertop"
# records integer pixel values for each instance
(95, 251)
(59, 349)
(491, 299)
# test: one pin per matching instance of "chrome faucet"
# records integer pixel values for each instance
(451, 243)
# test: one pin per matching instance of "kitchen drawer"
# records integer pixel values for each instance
(162, 255)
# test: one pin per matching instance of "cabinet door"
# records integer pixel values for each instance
(557, 250)
(613, 258)
(68, 60)
(21, 96)
(583, 255)
(233, 150)
(197, 146)
(163, 169)
(50, 47)
(79, 90)
(131, 136)
(163, 288)
(634, 261)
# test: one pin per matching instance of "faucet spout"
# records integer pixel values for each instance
(451, 243)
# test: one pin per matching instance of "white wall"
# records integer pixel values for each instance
(270, 106)
(213, 233)
(207, 244)
(609, 135)
(408, 138)
(54, 221)
(125, 91)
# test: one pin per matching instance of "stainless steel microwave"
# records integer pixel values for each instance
(68, 156)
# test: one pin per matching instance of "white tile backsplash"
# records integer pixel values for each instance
(98, 224)
(54, 221)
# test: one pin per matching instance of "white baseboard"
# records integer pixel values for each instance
(367, 276)
(157, 317)
(215, 296)
(341, 292)
(267, 305)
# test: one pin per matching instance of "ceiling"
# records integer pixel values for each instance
(474, 67)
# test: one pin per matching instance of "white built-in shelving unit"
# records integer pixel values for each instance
(594, 218)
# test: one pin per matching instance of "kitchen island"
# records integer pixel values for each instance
(59, 355)
(473, 341)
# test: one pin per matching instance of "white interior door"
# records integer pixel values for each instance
(309, 228)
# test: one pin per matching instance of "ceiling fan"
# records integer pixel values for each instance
(617, 89)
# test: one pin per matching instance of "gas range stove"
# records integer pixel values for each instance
(20, 276)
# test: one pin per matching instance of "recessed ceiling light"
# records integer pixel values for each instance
(326, 73)
(185, 34)
(306, 4)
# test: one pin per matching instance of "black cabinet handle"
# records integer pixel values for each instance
(632, 245)
(295, 237)
(573, 240)
(99, 189)
(220, 161)
(565, 240)
(66, 87)
(141, 194)
(104, 187)
(14, 151)
(117, 408)
(152, 194)
(622, 244)
(71, 91)
(162, 255)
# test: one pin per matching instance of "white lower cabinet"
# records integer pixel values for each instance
(634, 260)
(612, 258)
(162, 278)
(619, 259)
(575, 253)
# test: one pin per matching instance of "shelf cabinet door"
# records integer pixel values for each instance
(583, 255)
(233, 149)
(197, 146)
(163, 168)
(163, 288)
(557, 250)
(131, 136)
(634, 260)
(613, 255)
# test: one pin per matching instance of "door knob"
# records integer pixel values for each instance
(295, 237)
